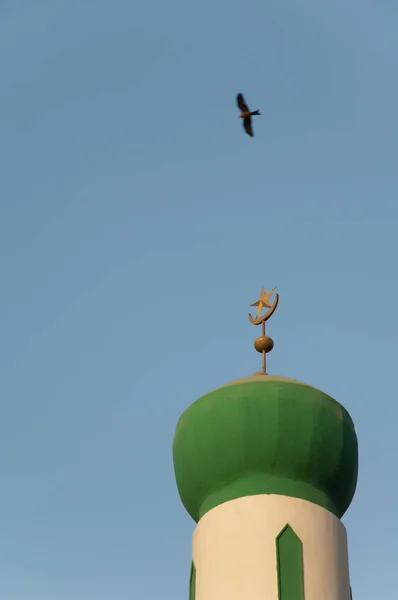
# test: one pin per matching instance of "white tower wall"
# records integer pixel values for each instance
(235, 550)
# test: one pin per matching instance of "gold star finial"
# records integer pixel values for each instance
(264, 343)
(263, 300)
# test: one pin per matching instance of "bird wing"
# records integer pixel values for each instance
(247, 124)
(241, 103)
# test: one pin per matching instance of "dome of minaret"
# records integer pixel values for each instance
(265, 434)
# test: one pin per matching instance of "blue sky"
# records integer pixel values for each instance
(138, 222)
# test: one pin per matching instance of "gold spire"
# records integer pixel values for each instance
(264, 343)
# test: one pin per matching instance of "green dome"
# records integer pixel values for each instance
(265, 435)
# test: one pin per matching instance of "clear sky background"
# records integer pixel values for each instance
(138, 222)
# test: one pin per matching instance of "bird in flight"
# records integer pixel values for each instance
(246, 114)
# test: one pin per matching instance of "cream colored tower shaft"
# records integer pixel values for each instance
(234, 549)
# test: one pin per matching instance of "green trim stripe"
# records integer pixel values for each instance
(289, 554)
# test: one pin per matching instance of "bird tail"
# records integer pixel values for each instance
(256, 112)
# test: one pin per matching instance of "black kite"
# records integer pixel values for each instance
(246, 114)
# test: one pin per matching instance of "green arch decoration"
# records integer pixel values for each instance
(192, 582)
(289, 554)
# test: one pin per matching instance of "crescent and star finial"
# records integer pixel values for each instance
(264, 343)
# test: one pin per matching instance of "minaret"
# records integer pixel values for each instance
(267, 466)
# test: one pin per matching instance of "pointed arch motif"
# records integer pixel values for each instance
(192, 582)
(289, 555)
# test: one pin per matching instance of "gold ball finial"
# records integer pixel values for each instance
(264, 343)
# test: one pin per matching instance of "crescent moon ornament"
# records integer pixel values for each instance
(267, 315)
(264, 343)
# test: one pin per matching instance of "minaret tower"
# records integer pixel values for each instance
(267, 466)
